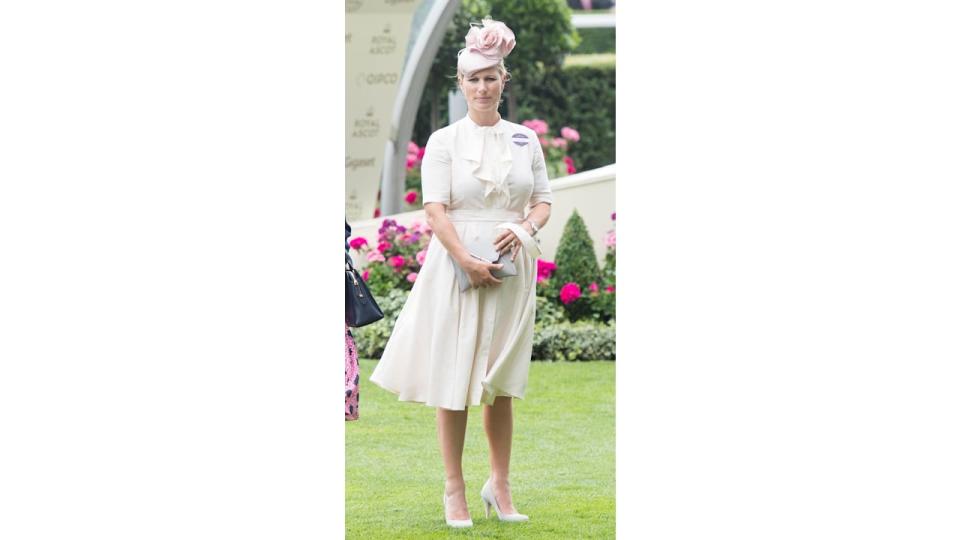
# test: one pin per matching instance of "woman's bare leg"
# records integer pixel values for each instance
(498, 423)
(451, 430)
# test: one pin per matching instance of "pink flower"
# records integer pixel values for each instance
(594, 288)
(494, 39)
(365, 275)
(610, 289)
(544, 269)
(570, 134)
(613, 216)
(611, 239)
(559, 142)
(421, 256)
(544, 142)
(411, 277)
(358, 243)
(412, 148)
(375, 256)
(384, 246)
(411, 162)
(569, 292)
(538, 126)
(570, 168)
(376, 213)
(421, 152)
(410, 197)
(397, 261)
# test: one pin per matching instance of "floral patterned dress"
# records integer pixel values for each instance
(351, 372)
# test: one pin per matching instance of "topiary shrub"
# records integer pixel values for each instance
(578, 341)
(576, 263)
(372, 339)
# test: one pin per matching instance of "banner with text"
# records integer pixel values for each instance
(376, 45)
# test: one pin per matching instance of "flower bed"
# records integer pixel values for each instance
(395, 261)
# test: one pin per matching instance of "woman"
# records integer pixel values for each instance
(351, 368)
(451, 349)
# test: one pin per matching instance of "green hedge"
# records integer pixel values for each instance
(552, 339)
(372, 339)
(584, 98)
(596, 40)
(577, 341)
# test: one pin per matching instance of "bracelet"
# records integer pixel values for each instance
(533, 226)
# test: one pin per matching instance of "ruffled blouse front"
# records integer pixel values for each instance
(487, 148)
(469, 166)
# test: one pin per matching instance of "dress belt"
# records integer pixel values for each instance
(484, 215)
(507, 219)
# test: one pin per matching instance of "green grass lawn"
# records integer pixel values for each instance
(562, 468)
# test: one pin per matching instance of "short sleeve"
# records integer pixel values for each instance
(435, 172)
(541, 183)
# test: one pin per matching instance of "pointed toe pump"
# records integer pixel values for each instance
(455, 523)
(490, 500)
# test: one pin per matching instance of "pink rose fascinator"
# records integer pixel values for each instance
(486, 46)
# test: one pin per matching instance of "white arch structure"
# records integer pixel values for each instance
(412, 81)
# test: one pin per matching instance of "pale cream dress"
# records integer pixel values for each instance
(455, 349)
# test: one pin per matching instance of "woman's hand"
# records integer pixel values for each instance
(507, 241)
(480, 274)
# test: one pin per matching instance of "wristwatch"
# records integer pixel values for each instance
(533, 226)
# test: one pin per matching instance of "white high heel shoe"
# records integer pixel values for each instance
(455, 523)
(490, 500)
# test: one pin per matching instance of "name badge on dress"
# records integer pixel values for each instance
(520, 139)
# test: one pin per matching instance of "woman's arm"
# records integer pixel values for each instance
(477, 270)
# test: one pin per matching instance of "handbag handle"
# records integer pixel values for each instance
(353, 275)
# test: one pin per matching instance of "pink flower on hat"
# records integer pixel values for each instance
(493, 40)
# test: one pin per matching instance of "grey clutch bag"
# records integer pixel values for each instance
(485, 250)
